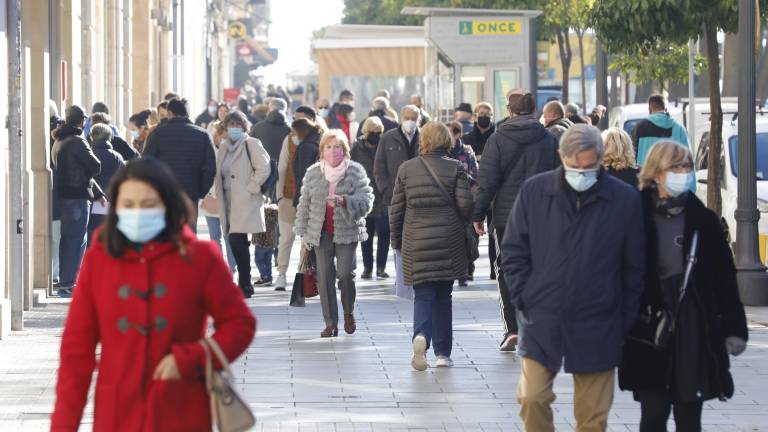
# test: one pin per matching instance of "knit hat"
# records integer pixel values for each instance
(465, 107)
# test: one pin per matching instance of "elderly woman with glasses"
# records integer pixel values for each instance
(709, 320)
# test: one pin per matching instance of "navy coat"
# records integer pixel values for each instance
(575, 276)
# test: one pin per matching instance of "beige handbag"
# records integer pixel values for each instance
(229, 411)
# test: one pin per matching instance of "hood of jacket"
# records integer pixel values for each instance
(102, 145)
(66, 131)
(662, 120)
(525, 129)
(562, 121)
(276, 117)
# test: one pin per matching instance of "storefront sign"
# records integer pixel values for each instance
(490, 28)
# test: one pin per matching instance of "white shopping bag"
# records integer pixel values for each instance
(401, 289)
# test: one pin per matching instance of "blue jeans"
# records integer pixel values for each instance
(74, 227)
(433, 314)
(263, 259)
(214, 231)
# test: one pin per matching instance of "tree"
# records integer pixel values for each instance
(387, 12)
(662, 64)
(632, 26)
(558, 20)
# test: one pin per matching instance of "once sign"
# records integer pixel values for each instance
(490, 28)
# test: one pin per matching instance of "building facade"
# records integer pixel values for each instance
(125, 53)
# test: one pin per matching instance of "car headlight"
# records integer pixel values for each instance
(762, 206)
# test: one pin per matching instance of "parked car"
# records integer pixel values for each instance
(729, 169)
(628, 116)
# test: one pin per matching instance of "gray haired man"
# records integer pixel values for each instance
(573, 258)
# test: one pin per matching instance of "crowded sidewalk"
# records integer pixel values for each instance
(296, 381)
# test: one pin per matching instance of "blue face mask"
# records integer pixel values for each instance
(581, 180)
(135, 134)
(235, 134)
(141, 225)
(677, 183)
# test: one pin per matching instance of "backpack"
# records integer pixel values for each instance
(269, 184)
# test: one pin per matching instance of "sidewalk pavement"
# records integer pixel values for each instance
(296, 381)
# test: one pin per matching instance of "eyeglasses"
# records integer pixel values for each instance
(682, 166)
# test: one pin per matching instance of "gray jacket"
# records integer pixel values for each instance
(349, 221)
(574, 265)
(393, 150)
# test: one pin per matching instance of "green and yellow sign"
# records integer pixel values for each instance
(490, 28)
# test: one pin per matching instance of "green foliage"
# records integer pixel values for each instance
(625, 26)
(387, 12)
(663, 64)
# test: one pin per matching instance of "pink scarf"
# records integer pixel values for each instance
(334, 174)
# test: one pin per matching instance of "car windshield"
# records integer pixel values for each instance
(629, 125)
(762, 155)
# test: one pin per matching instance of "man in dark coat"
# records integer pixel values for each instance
(519, 149)
(482, 129)
(111, 161)
(396, 146)
(554, 118)
(75, 166)
(272, 131)
(187, 150)
(379, 108)
(570, 258)
(116, 142)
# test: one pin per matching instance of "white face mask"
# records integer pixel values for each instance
(581, 179)
(409, 127)
(677, 184)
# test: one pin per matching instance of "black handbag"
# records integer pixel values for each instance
(470, 240)
(655, 325)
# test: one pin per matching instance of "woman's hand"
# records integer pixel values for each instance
(735, 345)
(337, 200)
(167, 369)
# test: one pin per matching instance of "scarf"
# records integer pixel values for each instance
(333, 175)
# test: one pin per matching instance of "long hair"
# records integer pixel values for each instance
(619, 152)
(177, 206)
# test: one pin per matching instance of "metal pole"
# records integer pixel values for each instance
(692, 92)
(751, 274)
(16, 250)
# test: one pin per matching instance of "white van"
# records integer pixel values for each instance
(729, 168)
(628, 116)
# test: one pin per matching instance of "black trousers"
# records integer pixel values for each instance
(378, 226)
(241, 250)
(656, 406)
(505, 302)
(491, 245)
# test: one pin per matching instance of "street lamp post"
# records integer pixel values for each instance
(751, 274)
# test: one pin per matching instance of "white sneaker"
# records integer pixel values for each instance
(280, 281)
(419, 358)
(443, 361)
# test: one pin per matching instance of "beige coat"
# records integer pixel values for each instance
(245, 213)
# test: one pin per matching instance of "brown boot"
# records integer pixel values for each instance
(329, 332)
(349, 323)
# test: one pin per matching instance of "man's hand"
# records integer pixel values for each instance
(167, 369)
(479, 228)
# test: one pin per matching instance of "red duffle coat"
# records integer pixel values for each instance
(141, 307)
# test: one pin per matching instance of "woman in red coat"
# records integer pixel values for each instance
(144, 293)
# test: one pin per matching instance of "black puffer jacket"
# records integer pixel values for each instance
(188, 151)
(424, 226)
(520, 149)
(111, 161)
(123, 148)
(75, 165)
(272, 132)
(307, 154)
(365, 156)
(394, 149)
(712, 287)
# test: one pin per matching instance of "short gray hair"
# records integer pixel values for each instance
(380, 103)
(579, 138)
(100, 132)
(278, 104)
(410, 108)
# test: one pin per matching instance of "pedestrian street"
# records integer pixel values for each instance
(296, 381)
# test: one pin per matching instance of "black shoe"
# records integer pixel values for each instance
(247, 291)
(381, 274)
(367, 274)
(65, 293)
(470, 278)
(264, 281)
(463, 283)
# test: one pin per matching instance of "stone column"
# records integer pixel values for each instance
(71, 52)
(36, 76)
(142, 64)
(113, 41)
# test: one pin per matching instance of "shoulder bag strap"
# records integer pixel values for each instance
(248, 153)
(208, 366)
(216, 349)
(439, 184)
(691, 260)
